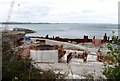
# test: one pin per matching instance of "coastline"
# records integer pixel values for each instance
(76, 31)
(53, 51)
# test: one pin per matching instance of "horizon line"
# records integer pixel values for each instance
(15, 22)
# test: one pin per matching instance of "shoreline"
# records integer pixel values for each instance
(75, 40)
(51, 23)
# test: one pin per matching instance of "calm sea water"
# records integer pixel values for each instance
(69, 30)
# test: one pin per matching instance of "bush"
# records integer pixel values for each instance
(113, 71)
(16, 68)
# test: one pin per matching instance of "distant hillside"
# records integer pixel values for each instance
(33, 23)
(21, 23)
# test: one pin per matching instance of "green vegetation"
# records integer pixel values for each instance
(113, 71)
(15, 68)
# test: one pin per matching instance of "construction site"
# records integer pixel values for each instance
(77, 58)
(74, 59)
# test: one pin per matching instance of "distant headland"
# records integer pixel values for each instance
(47, 23)
(21, 23)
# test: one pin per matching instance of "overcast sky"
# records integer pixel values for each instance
(65, 11)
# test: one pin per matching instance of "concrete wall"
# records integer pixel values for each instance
(65, 44)
(44, 55)
(12, 36)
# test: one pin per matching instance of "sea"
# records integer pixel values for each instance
(69, 30)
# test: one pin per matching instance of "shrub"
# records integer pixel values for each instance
(113, 71)
(17, 69)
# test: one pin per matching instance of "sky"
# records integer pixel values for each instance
(60, 11)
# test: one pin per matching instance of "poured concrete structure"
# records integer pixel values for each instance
(12, 36)
(48, 56)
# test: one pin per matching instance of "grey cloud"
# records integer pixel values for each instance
(50, 11)
(87, 11)
(34, 11)
(43, 11)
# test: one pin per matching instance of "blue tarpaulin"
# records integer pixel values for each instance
(27, 38)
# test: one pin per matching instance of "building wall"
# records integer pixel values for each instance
(44, 55)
